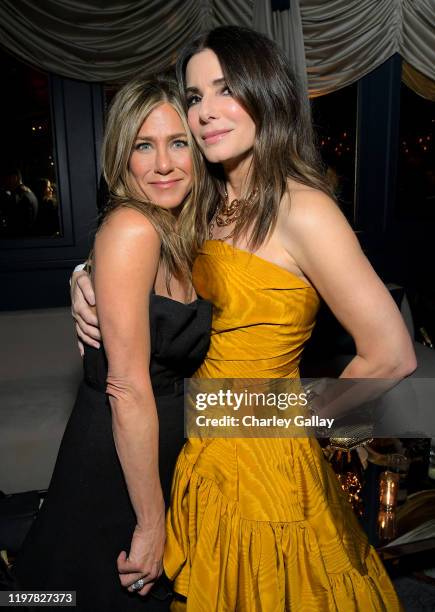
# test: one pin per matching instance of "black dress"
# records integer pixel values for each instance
(87, 518)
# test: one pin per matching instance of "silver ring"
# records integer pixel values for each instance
(138, 585)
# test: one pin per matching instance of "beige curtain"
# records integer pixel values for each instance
(233, 12)
(417, 43)
(110, 40)
(330, 43)
(282, 26)
(419, 83)
(285, 28)
(97, 40)
(346, 39)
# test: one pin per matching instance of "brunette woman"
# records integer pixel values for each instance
(268, 525)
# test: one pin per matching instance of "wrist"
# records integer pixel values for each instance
(152, 516)
(151, 522)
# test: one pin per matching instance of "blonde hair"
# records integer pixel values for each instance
(129, 109)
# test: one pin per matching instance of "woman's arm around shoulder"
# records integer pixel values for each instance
(126, 258)
(326, 249)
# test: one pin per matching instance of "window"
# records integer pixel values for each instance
(334, 118)
(416, 176)
(109, 94)
(29, 205)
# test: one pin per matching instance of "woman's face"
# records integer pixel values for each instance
(48, 189)
(222, 128)
(161, 163)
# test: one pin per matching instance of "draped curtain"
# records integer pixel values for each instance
(346, 39)
(330, 44)
(419, 83)
(94, 40)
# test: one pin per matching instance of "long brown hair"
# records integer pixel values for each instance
(259, 76)
(129, 109)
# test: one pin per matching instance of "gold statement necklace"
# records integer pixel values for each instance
(228, 213)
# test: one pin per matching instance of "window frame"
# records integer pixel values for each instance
(34, 271)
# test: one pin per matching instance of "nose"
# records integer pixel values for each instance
(207, 109)
(163, 161)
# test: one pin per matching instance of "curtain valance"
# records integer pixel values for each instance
(346, 39)
(331, 44)
(95, 40)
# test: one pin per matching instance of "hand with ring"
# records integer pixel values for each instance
(143, 566)
(138, 585)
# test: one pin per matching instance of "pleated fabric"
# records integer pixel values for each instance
(262, 524)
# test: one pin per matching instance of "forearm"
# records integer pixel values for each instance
(368, 379)
(360, 367)
(380, 367)
(136, 434)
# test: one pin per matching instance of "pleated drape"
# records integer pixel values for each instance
(97, 40)
(347, 39)
(330, 44)
(238, 12)
(419, 83)
(417, 42)
(285, 28)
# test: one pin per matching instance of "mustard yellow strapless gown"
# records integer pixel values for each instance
(262, 525)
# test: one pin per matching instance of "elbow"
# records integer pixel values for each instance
(402, 366)
(408, 365)
(407, 360)
(393, 362)
(126, 394)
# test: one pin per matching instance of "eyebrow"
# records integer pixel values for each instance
(215, 83)
(170, 137)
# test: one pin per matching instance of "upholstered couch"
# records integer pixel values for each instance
(40, 367)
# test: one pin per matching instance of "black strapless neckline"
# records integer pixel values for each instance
(180, 337)
(167, 297)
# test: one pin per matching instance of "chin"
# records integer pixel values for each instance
(222, 154)
(170, 203)
(169, 200)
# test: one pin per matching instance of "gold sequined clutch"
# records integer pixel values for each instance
(352, 437)
(347, 437)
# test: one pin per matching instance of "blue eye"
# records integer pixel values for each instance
(142, 146)
(180, 144)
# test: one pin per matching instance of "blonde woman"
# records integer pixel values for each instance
(101, 531)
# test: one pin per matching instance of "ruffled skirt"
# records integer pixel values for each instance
(263, 525)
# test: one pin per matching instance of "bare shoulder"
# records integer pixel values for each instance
(128, 223)
(314, 231)
(126, 241)
(307, 208)
(128, 220)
